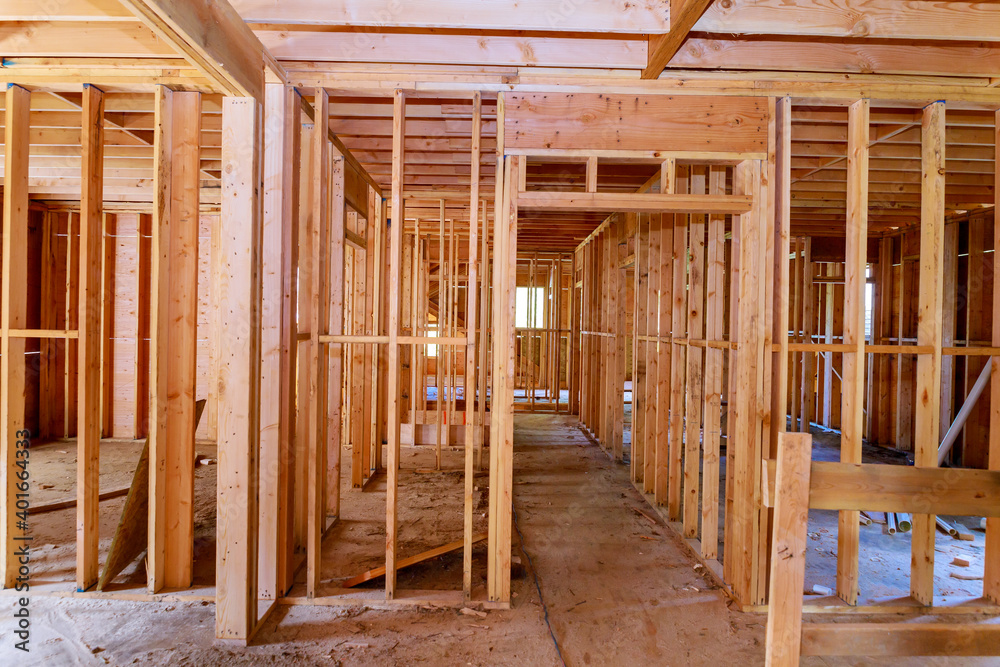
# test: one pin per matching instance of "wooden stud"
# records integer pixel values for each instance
(13, 315)
(661, 492)
(852, 421)
(471, 359)
(651, 349)
(788, 564)
(239, 370)
(392, 326)
(317, 362)
(277, 409)
(695, 376)
(678, 358)
(89, 376)
(991, 564)
(928, 410)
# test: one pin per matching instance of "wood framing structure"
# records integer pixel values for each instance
(363, 231)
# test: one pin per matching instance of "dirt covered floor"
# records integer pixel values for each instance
(616, 585)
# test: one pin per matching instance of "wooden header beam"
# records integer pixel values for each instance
(610, 202)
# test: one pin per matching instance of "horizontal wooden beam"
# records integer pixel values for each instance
(212, 36)
(889, 488)
(901, 639)
(953, 20)
(537, 15)
(610, 202)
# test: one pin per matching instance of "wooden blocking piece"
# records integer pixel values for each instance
(279, 274)
(991, 569)
(852, 412)
(13, 315)
(89, 337)
(788, 563)
(394, 387)
(239, 370)
(929, 333)
(173, 338)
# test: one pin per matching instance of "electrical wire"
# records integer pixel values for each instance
(538, 587)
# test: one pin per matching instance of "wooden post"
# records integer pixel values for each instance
(991, 575)
(782, 158)
(239, 369)
(278, 337)
(13, 315)
(852, 412)
(173, 340)
(928, 411)
(788, 566)
(393, 387)
(88, 430)
(318, 359)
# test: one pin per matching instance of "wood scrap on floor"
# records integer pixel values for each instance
(412, 560)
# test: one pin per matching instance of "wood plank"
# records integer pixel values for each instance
(892, 640)
(853, 374)
(13, 314)
(788, 564)
(412, 560)
(635, 122)
(173, 340)
(664, 362)
(239, 370)
(617, 202)
(651, 349)
(907, 489)
(853, 18)
(678, 356)
(488, 15)
(929, 332)
(89, 361)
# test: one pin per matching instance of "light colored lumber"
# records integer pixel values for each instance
(929, 332)
(13, 315)
(788, 563)
(239, 369)
(892, 640)
(662, 47)
(412, 560)
(88, 429)
(853, 374)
